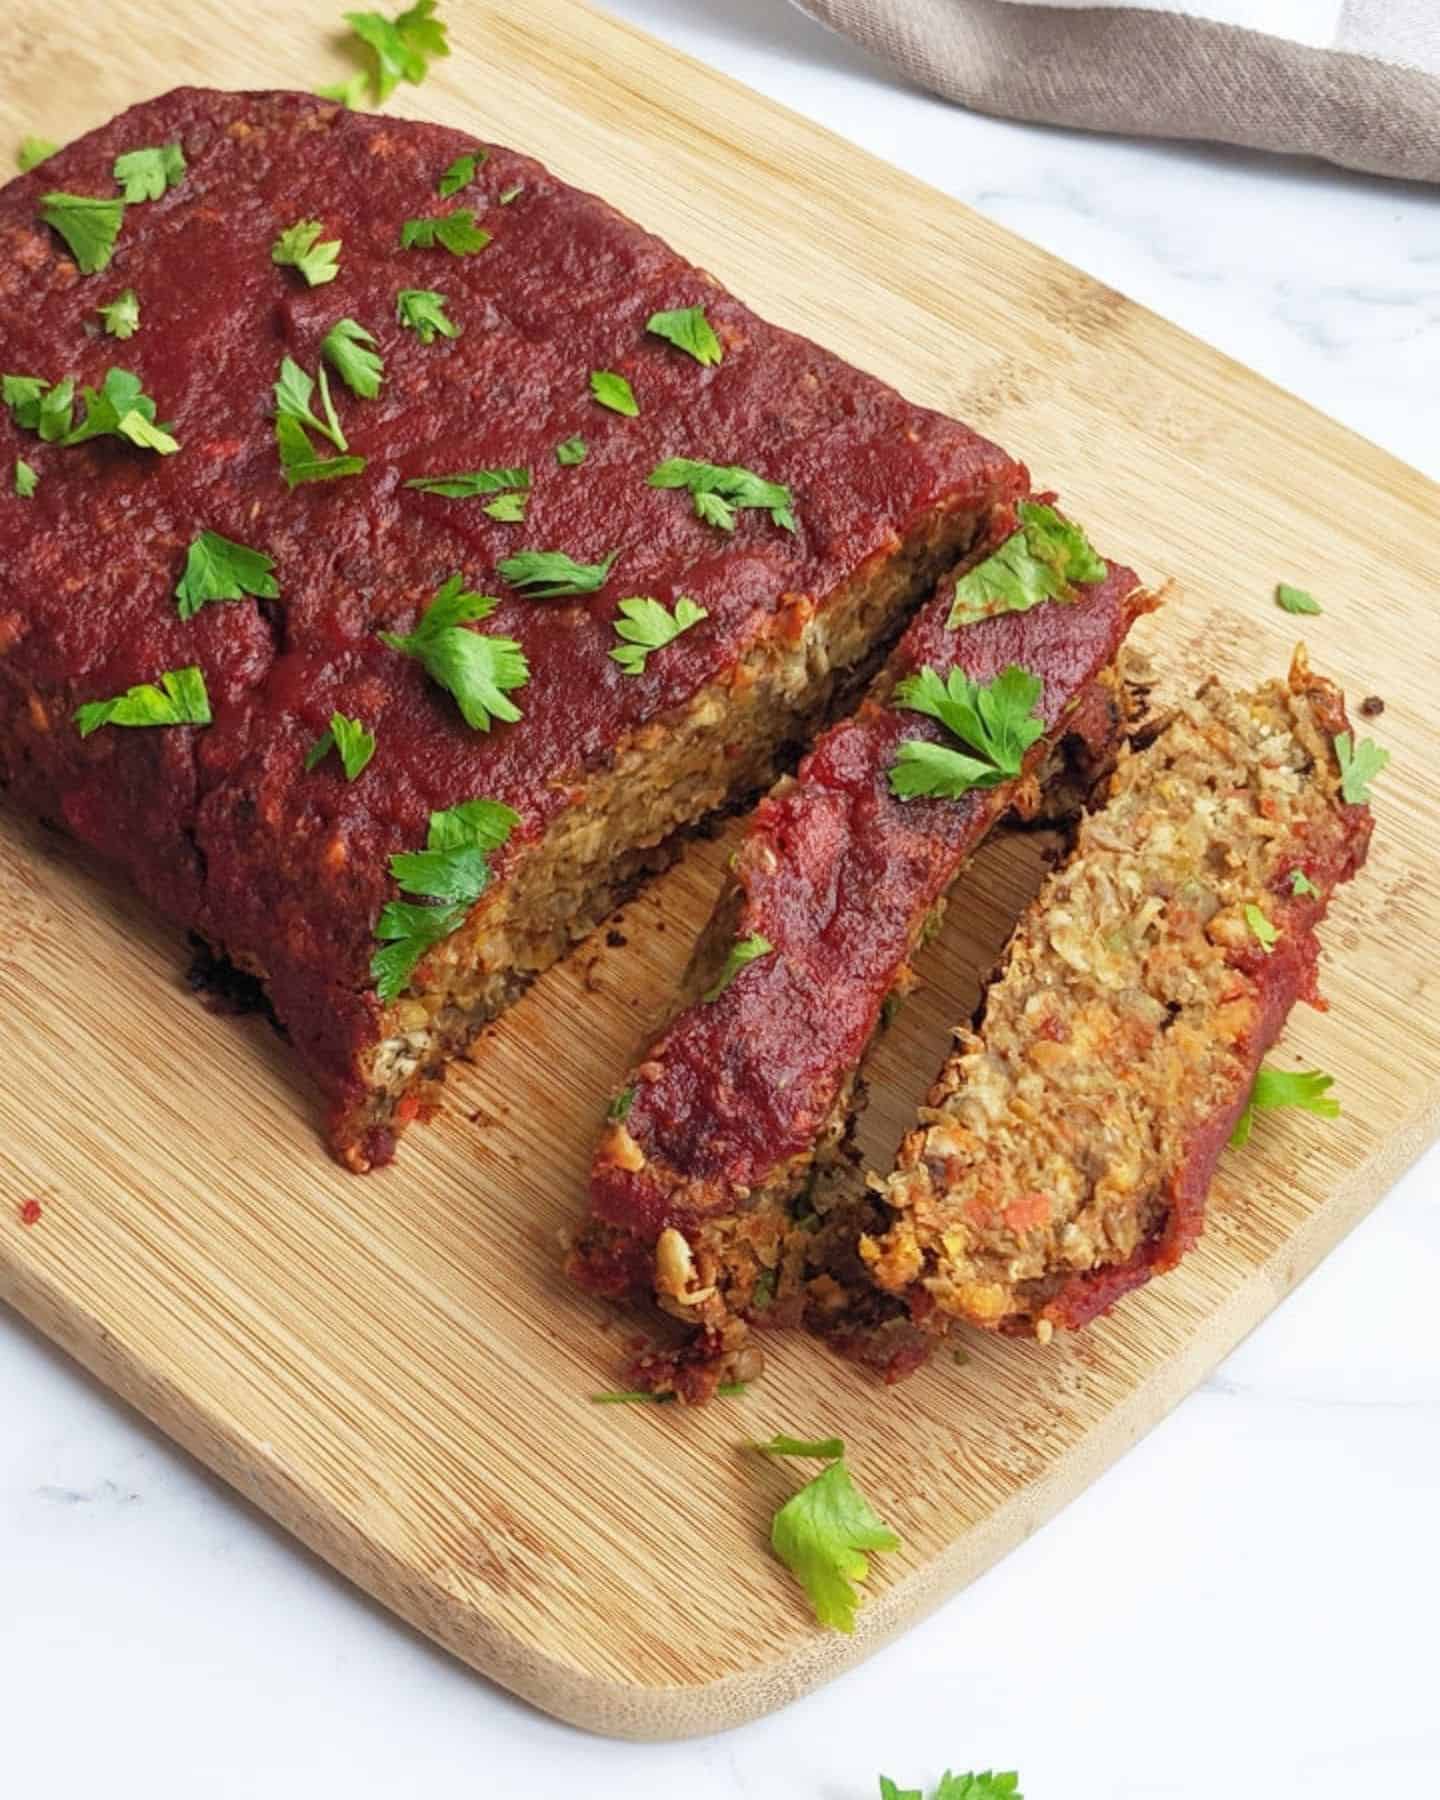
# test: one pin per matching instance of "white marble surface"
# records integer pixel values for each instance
(1245, 1605)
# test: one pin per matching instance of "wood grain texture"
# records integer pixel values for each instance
(392, 1366)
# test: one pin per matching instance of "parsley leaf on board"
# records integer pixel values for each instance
(297, 248)
(422, 311)
(453, 869)
(293, 391)
(146, 174)
(645, 625)
(1294, 600)
(121, 316)
(216, 568)
(1308, 1089)
(179, 699)
(552, 575)
(822, 1532)
(614, 391)
(572, 452)
(470, 482)
(996, 720)
(88, 226)
(689, 330)
(460, 173)
(1261, 926)
(478, 669)
(824, 1449)
(743, 951)
(1359, 765)
(402, 46)
(120, 409)
(1041, 561)
(355, 744)
(348, 347)
(26, 480)
(1300, 883)
(719, 490)
(456, 232)
(32, 152)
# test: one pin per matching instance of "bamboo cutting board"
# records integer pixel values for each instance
(391, 1366)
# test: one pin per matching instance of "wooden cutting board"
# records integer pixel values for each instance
(391, 1365)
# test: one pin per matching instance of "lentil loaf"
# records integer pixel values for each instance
(531, 354)
(703, 1182)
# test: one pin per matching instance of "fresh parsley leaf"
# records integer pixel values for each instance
(509, 509)
(402, 46)
(347, 346)
(460, 173)
(22, 394)
(26, 480)
(422, 311)
(298, 461)
(146, 174)
(1300, 883)
(179, 699)
(614, 391)
(889, 1791)
(719, 490)
(745, 950)
(456, 232)
(551, 574)
(689, 330)
(55, 412)
(88, 226)
(297, 248)
(218, 569)
(823, 1449)
(1295, 600)
(293, 392)
(506, 195)
(120, 409)
(619, 1107)
(821, 1534)
(349, 93)
(1041, 561)
(32, 152)
(478, 669)
(470, 482)
(121, 316)
(645, 625)
(572, 452)
(1359, 765)
(1308, 1089)
(996, 720)
(452, 868)
(355, 744)
(988, 1786)
(1261, 926)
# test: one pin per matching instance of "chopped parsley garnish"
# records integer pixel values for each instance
(402, 46)
(1308, 1089)
(121, 316)
(350, 92)
(509, 509)
(1041, 561)
(619, 1107)
(298, 461)
(506, 195)
(32, 152)
(422, 311)
(743, 951)
(572, 452)
(551, 574)
(355, 744)
(218, 569)
(22, 395)
(348, 347)
(1359, 765)
(292, 401)
(119, 409)
(456, 232)
(26, 480)
(297, 248)
(988, 1786)
(720, 490)
(996, 720)
(470, 482)
(645, 625)
(614, 391)
(88, 226)
(822, 1532)
(1264, 931)
(689, 330)
(146, 174)
(460, 173)
(1300, 883)
(452, 869)
(478, 669)
(1295, 600)
(179, 699)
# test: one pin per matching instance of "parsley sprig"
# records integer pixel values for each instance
(1359, 765)
(995, 719)
(348, 347)
(297, 248)
(456, 232)
(422, 311)
(217, 568)
(688, 329)
(552, 575)
(987, 1786)
(1307, 1089)
(349, 736)
(614, 391)
(146, 174)
(90, 227)
(479, 669)
(121, 316)
(721, 490)
(401, 47)
(743, 951)
(1041, 561)
(119, 408)
(822, 1532)
(460, 173)
(180, 698)
(294, 417)
(645, 625)
(468, 484)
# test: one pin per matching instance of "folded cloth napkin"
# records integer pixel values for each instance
(1357, 81)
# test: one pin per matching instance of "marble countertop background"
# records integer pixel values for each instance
(1245, 1605)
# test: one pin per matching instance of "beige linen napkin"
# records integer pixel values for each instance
(1356, 81)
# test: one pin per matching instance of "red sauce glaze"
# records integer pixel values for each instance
(30, 1212)
(836, 874)
(287, 870)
